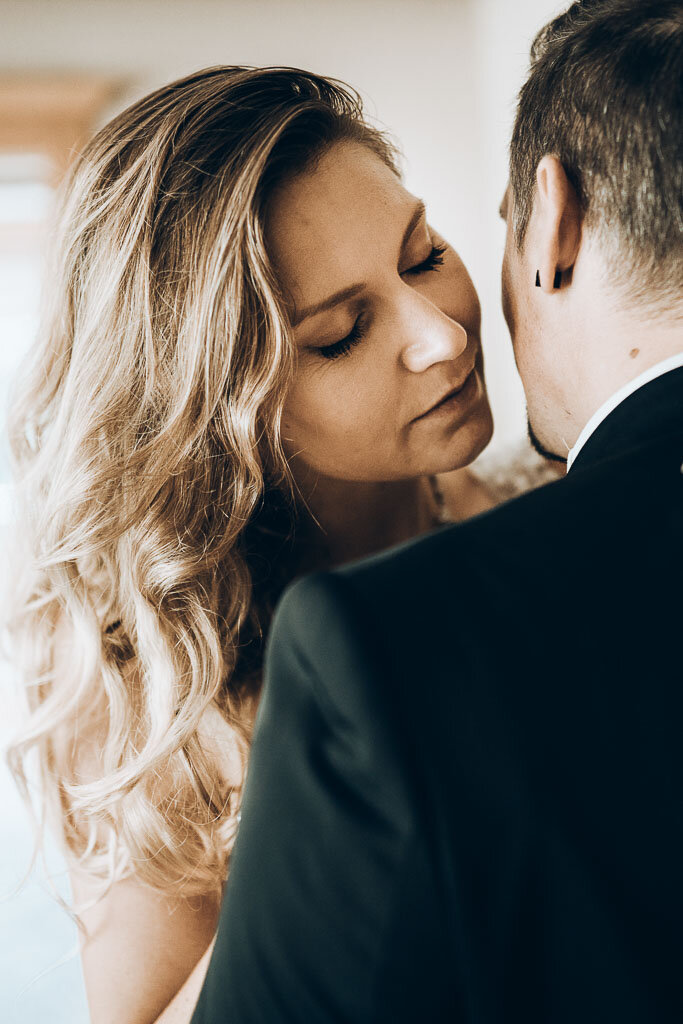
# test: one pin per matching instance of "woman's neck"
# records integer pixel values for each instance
(354, 519)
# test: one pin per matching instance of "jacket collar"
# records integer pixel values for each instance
(653, 411)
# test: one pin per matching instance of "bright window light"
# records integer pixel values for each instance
(26, 199)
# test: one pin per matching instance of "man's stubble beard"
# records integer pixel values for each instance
(538, 446)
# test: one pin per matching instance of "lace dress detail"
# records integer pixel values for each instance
(513, 470)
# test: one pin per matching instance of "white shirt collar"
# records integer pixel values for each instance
(617, 398)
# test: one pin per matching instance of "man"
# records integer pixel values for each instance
(465, 799)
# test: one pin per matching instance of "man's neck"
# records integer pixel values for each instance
(615, 400)
(617, 353)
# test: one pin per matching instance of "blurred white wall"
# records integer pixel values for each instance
(440, 74)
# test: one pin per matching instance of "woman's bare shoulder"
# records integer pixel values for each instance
(138, 946)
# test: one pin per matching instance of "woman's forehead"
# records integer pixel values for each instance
(330, 220)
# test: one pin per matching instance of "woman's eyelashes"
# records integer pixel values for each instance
(433, 261)
(343, 347)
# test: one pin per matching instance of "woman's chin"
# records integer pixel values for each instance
(466, 443)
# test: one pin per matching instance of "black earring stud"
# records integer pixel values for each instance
(538, 279)
(557, 280)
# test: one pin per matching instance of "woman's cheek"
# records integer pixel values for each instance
(338, 409)
(313, 411)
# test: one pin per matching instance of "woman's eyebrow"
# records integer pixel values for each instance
(333, 300)
(354, 289)
(417, 215)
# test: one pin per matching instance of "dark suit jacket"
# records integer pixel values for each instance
(465, 799)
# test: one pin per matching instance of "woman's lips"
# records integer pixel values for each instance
(454, 400)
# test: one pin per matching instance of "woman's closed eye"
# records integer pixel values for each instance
(342, 347)
(433, 262)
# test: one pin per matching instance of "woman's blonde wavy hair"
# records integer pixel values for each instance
(155, 511)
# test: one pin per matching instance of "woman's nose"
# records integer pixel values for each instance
(434, 338)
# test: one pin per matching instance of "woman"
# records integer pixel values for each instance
(258, 359)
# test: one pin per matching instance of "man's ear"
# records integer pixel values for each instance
(557, 235)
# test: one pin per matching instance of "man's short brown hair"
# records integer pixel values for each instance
(605, 96)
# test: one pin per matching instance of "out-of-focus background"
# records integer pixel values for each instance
(441, 75)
